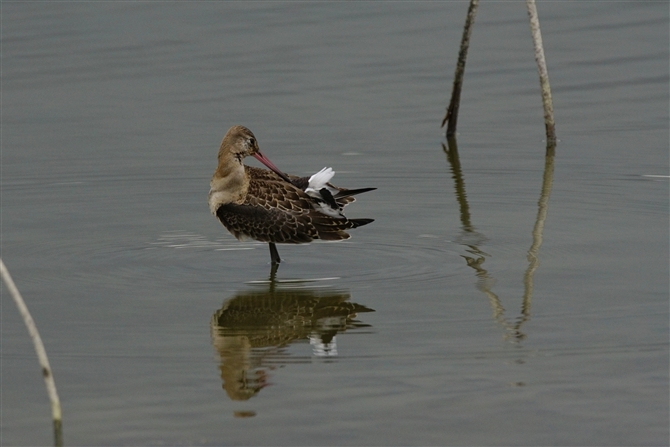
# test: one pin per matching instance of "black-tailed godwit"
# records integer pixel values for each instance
(270, 206)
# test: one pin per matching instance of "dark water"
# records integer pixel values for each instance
(480, 308)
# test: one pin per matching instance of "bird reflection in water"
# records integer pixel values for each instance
(254, 328)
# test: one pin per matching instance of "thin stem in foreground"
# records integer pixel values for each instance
(41, 353)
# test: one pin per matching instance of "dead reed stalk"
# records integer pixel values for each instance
(41, 353)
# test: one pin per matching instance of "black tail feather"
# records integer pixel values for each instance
(360, 222)
(352, 192)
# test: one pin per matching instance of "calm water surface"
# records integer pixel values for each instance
(499, 298)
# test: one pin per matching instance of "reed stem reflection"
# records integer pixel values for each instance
(253, 328)
(471, 239)
(533, 251)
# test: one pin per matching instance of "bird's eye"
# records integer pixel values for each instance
(252, 142)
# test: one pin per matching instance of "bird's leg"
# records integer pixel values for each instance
(273, 276)
(274, 254)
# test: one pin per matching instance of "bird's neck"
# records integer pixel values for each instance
(229, 183)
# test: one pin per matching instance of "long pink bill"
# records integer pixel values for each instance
(263, 159)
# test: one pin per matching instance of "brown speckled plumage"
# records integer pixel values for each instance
(271, 206)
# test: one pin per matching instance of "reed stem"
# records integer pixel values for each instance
(542, 69)
(41, 353)
(454, 103)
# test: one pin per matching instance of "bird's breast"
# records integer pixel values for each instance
(230, 189)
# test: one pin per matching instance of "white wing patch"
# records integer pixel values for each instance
(317, 182)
